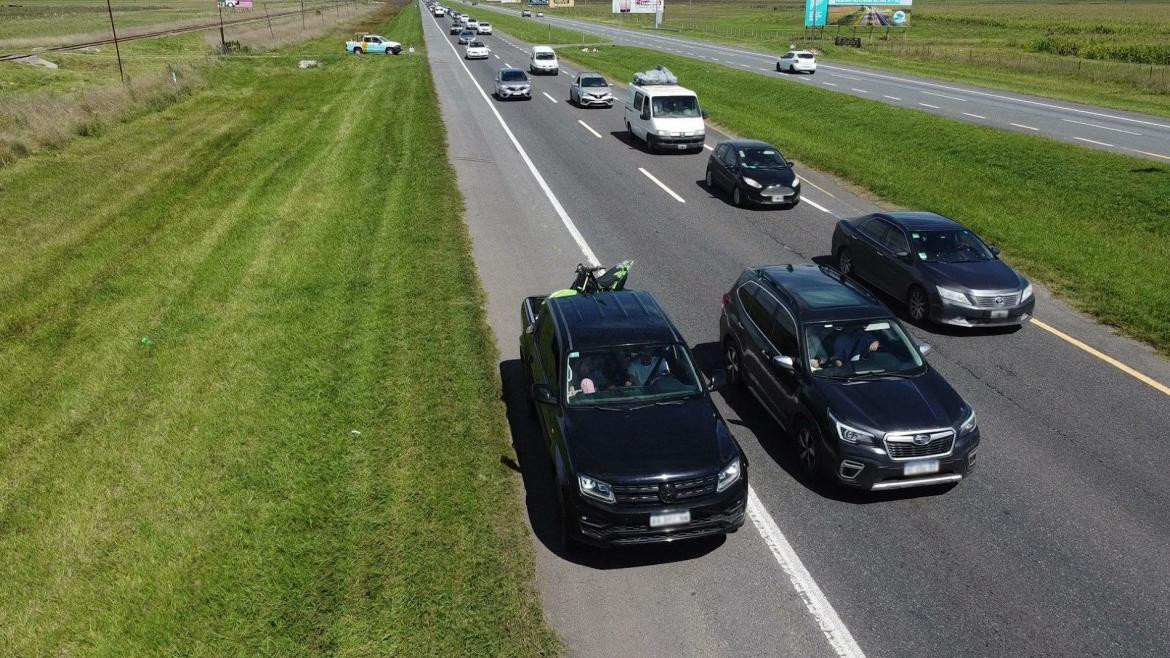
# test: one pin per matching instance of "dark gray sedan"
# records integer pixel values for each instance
(939, 268)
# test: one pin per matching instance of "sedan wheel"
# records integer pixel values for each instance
(845, 261)
(917, 305)
(732, 364)
(807, 449)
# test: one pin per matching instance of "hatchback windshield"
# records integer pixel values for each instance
(638, 373)
(593, 82)
(860, 348)
(545, 56)
(759, 158)
(952, 246)
(676, 107)
(513, 76)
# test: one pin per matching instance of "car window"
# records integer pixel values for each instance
(895, 240)
(638, 101)
(861, 348)
(630, 373)
(593, 81)
(546, 347)
(720, 151)
(787, 56)
(783, 333)
(760, 307)
(950, 246)
(762, 158)
(728, 158)
(513, 76)
(875, 229)
(806, 56)
(545, 56)
(675, 107)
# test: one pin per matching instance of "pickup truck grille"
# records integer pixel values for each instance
(651, 494)
(903, 446)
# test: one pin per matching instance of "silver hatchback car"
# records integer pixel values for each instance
(513, 83)
(590, 89)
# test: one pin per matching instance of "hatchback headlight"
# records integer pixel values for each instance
(594, 488)
(795, 181)
(752, 182)
(729, 475)
(1027, 293)
(850, 434)
(969, 424)
(953, 296)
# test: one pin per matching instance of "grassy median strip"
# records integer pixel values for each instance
(250, 403)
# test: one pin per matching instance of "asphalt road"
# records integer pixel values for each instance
(1084, 125)
(1057, 544)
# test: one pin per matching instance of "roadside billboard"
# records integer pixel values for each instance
(637, 6)
(869, 13)
(816, 12)
(561, 3)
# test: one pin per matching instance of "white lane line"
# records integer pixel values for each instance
(954, 98)
(548, 97)
(548, 193)
(1094, 125)
(860, 91)
(976, 116)
(828, 84)
(496, 56)
(586, 126)
(763, 69)
(847, 77)
(816, 205)
(840, 639)
(1093, 141)
(662, 185)
(933, 107)
(1152, 155)
(507, 65)
(1020, 125)
(893, 98)
(709, 147)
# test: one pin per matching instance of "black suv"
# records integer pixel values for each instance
(639, 451)
(839, 372)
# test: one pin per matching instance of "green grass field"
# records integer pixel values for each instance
(250, 403)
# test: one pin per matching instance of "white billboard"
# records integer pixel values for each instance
(637, 6)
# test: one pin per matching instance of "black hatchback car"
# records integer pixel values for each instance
(752, 172)
(838, 371)
(942, 270)
(639, 451)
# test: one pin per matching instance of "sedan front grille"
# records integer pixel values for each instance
(650, 494)
(777, 190)
(997, 301)
(937, 443)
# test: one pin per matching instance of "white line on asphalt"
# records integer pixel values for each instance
(548, 193)
(507, 65)
(954, 98)
(1020, 125)
(828, 84)
(840, 639)
(933, 107)
(496, 56)
(1152, 155)
(1094, 125)
(977, 116)
(762, 69)
(860, 91)
(595, 133)
(709, 147)
(816, 205)
(548, 97)
(1093, 141)
(847, 77)
(893, 98)
(662, 185)
(826, 192)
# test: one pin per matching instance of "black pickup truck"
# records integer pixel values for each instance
(639, 451)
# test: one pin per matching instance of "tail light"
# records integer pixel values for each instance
(726, 299)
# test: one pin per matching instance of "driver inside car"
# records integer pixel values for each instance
(645, 367)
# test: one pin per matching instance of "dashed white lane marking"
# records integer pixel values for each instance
(1020, 125)
(1093, 141)
(763, 69)
(507, 65)
(586, 126)
(816, 205)
(1094, 125)
(933, 107)
(548, 97)
(847, 77)
(709, 147)
(860, 91)
(893, 98)
(976, 116)
(954, 98)
(828, 84)
(662, 185)
(496, 56)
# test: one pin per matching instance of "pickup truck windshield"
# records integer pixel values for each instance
(858, 349)
(626, 374)
(676, 107)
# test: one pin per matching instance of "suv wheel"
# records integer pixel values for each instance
(845, 261)
(917, 305)
(732, 363)
(806, 448)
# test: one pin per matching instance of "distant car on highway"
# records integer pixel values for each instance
(525, 13)
(484, 28)
(472, 24)
(839, 373)
(797, 61)
(466, 36)
(640, 454)
(940, 269)
(456, 27)
(476, 50)
(543, 59)
(512, 83)
(588, 89)
(372, 43)
(752, 172)
(540, 14)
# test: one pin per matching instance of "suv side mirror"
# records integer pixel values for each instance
(784, 362)
(994, 251)
(903, 255)
(718, 380)
(543, 394)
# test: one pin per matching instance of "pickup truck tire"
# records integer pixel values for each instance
(357, 50)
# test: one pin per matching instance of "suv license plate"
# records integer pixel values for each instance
(920, 467)
(672, 518)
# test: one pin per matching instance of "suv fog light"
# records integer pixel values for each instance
(849, 470)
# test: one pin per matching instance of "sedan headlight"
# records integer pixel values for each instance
(1027, 293)
(850, 434)
(729, 475)
(953, 296)
(752, 182)
(969, 424)
(594, 488)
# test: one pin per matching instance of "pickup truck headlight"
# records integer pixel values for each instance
(850, 434)
(969, 424)
(729, 475)
(1027, 293)
(752, 182)
(594, 488)
(953, 296)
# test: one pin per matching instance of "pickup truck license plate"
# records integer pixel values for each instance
(999, 314)
(671, 518)
(920, 467)
(682, 147)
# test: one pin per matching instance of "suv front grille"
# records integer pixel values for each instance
(902, 446)
(988, 301)
(649, 494)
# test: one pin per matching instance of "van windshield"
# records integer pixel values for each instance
(545, 56)
(676, 107)
(630, 373)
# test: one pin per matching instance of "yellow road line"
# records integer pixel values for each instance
(1104, 357)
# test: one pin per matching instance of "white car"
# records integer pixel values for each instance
(476, 50)
(472, 23)
(484, 28)
(796, 61)
(540, 14)
(543, 60)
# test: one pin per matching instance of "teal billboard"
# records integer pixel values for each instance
(816, 12)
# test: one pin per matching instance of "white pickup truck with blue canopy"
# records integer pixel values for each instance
(372, 43)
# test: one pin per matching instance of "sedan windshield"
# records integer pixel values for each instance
(638, 373)
(761, 158)
(951, 246)
(676, 107)
(513, 76)
(593, 82)
(861, 348)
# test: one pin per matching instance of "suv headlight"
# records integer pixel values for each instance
(969, 424)
(1027, 293)
(594, 488)
(953, 296)
(850, 434)
(752, 182)
(729, 475)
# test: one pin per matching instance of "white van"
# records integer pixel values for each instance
(543, 60)
(666, 117)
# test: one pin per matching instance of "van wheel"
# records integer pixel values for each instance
(917, 305)
(732, 363)
(807, 450)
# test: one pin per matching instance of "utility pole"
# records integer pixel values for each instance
(117, 49)
(302, 15)
(222, 40)
(266, 17)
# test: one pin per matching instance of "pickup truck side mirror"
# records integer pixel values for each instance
(704, 114)
(718, 380)
(543, 394)
(783, 361)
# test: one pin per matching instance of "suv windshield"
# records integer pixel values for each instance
(513, 76)
(593, 82)
(759, 158)
(677, 107)
(860, 348)
(952, 246)
(632, 373)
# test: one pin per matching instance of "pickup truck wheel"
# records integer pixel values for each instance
(357, 51)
